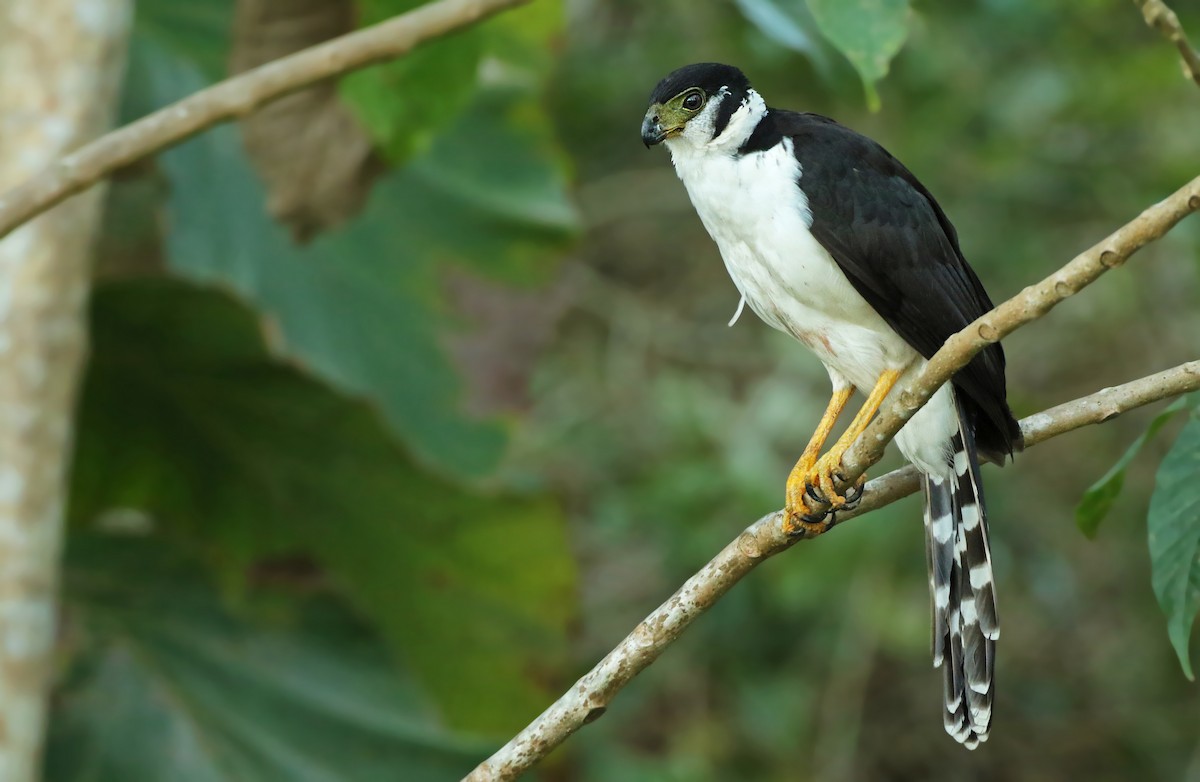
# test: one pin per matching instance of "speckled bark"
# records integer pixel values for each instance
(60, 68)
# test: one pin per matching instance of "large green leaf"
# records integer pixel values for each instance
(165, 684)
(196, 30)
(868, 32)
(1100, 496)
(1174, 532)
(184, 417)
(405, 101)
(788, 23)
(363, 307)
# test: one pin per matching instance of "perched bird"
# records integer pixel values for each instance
(832, 240)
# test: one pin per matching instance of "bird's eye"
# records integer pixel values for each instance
(693, 101)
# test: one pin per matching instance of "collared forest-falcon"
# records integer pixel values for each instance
(832, 240)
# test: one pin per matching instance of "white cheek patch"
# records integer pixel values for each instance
(742, 122)
(697, 136)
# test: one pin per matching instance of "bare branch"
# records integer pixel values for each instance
(1098, 408)
(1030, 304)
(1159, 16)
(589, 697)
(236, 97)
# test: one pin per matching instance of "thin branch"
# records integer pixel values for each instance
(590, 696)
(1098, 408)
(236, 97)
(1030, 304)
(1159, 16)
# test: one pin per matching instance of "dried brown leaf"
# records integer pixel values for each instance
(316, 160)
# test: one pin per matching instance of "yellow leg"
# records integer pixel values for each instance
(821, 471)
(825, 467)
(797, 481)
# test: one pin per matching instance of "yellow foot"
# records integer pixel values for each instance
(812, 497)
(802, 521)
(804, 514)
(823, 474)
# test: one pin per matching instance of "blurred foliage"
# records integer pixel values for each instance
(279, 466)
(1099, 498)
(868, 32)
(1175, 537)
(343, 303)
(437, 83)
(170, 685)
(359, 509)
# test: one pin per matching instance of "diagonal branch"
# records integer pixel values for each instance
(589, 697)
(236, 97)
(1030, 304)
(1159, 16)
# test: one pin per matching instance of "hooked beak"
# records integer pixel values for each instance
(652, 130)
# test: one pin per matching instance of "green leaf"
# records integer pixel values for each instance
(184, 417)
(195, 30)
(1099, 498)
(868, 32)
(166, 684)
(526, 40)
(363, 307)
(403, 102)
(1174, 533)
(786, 23)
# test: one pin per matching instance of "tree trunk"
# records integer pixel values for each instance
(60, 70)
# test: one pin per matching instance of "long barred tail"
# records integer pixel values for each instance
(965, 625)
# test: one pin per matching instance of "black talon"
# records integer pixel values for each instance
(854, 495)
(814, 493)
(815, 518)
(823, 520)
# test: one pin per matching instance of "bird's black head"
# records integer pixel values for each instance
(686, 93)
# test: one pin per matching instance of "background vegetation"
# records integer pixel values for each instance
(358, 507)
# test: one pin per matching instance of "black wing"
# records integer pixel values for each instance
(899, 251)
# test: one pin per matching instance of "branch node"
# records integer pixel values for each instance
(1063, 289)
(1194, 203)
(748, 545)
(1110, 259)
(67, 168)
(594, 713)
(1159, 16)
(988, 332)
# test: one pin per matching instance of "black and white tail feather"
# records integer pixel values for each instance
(965, 624)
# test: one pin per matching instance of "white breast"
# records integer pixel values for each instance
(759, 217)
